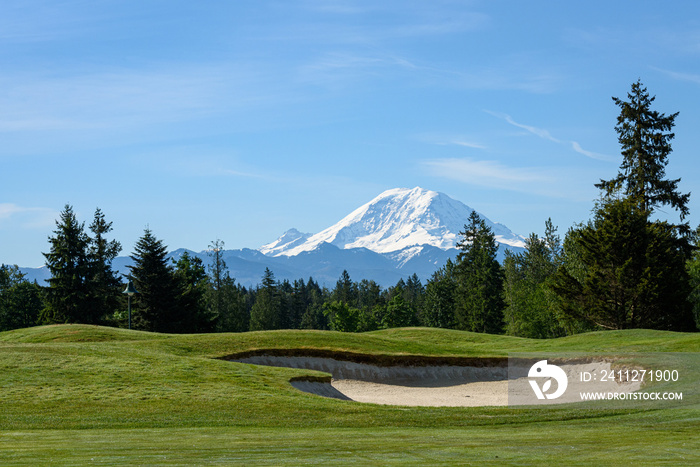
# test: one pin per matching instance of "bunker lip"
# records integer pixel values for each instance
(380, 360)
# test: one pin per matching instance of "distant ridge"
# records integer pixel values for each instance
(400, 232)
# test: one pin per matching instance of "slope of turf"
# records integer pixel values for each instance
(128, 384)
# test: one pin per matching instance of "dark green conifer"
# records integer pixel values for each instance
(104, 284)
(155, 307)
(266, 311)
(67, 296)
(629, 270)
(479, 299)
(634, 273)
(191, 313)
(645, 136)
(20, 300)
(440, 293)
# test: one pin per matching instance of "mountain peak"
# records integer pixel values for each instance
(287, 240)
(396, 219)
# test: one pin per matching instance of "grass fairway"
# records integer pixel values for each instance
(75, 394)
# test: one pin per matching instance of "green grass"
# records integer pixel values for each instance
(76, 394)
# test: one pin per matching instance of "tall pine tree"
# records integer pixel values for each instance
(156, 306)
(191, 312)
(645, 137)
(104, 284)
(345, 290)
(83, 288)
(479, 295)
(67, 296)
(631, 269)
(224, 299)
(267, 309)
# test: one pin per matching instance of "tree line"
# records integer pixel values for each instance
(623, 269)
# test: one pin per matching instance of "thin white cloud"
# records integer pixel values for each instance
(690, 77)
(541, 132)
(340, 70)
(541, 181)
(446, 139)
(593, 155)
(258, 176)
(8, 209)
(26, 217)
(411, 19)
(486, 173)
(32, 21)
(114, 99)
(338, 7)
(545, 134)
(468, 144)
(506, 77)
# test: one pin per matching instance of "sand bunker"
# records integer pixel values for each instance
(447, 382)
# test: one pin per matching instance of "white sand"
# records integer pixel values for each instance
(462, 395)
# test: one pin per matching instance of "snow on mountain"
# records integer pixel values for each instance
(397, 234)
(288, 240)
(395, 220)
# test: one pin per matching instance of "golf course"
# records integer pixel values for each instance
(90, 395)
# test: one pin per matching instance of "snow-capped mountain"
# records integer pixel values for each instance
(400, 219)
(397, 234)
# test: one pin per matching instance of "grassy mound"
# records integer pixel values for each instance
(58, 379)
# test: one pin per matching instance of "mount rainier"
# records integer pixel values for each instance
(399, 233)
(393, 221)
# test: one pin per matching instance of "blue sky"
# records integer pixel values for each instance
(241, 119)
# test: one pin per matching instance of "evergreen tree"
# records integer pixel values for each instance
(313, 316)
(225, 300)
(267, 309)
(632, 269)
(439, 304)
(297, 304)
(398, 289)
(479, 302)
(191, 312)
(367, 319)
(345, 290)
(530, 310)
(20, 301)
(83, 288)
(156, 307)
(414, 290)
(370, 301)
(369, 294)
(217, 274)
(645, 136)
(632, 276)
(399, 313)
(693, 268)
(286, 292)
(104, 284)
(67, 296)
(234, 316)
(342, 316)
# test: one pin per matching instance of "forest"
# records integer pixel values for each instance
(624, 268)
